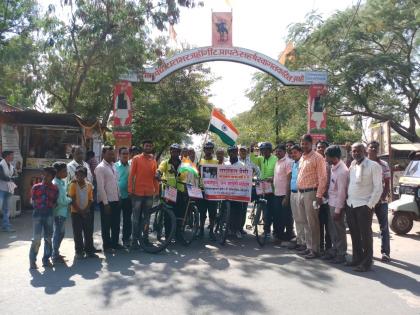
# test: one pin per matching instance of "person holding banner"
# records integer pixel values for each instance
(236, 207)
(266, 163)
(208, 205)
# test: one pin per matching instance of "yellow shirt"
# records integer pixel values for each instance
(82, 194)
(169, 174)
(211, 161)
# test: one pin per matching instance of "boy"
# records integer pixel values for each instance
(44, 199)
(81, 193)
(60, 211)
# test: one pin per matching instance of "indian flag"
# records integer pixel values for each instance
(223, 127)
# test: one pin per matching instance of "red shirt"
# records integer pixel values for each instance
(44, 196)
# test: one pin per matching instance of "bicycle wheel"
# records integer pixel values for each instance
(158, 228)
(191, 224)
(222, 223)
(258, 224)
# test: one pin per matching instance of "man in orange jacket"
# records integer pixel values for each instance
(142, 186)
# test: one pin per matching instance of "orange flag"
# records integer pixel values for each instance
(287, 54)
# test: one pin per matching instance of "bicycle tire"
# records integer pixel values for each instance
(222, 223)
(190, 226)
(154, 236)
(258, 224)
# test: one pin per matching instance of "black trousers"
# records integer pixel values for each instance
(244, 212)
(110, 224)
(82, 233)
(285, 230)
(127, 210)
(325, 239)
(236, 214)
(210, 207)
(359, 221)
(271, 215)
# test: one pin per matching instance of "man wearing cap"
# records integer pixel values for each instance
(208, 205)
(266, 163)
(245, 159)
(168, 171)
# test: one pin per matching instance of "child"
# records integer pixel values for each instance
(81, 192)
(44, 199)
(60, 211)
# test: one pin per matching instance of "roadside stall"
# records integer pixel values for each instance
(40, 139)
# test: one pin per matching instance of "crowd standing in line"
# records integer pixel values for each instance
(313, 193)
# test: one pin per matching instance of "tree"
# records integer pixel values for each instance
(170, 111)
(17, 22)
(259, 124)
(84, 55)
(371, 54)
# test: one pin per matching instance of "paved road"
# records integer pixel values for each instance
(239, 278)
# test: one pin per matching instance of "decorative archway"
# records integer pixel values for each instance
(232, 54)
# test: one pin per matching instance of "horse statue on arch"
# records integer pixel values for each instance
(223, 31)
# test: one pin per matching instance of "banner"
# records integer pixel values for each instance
(221, 29)
(382, 134)
(123, 96)
(317, 115)
(227, 182)
(122, 139)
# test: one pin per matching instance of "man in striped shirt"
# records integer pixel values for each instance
(312, 183)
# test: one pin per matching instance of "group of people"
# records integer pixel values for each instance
(313, 191)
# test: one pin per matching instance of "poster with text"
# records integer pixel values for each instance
(227, 182)
(317, 115)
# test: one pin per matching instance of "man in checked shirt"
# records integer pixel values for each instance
(312, 183)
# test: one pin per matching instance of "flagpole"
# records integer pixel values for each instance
(205, 138)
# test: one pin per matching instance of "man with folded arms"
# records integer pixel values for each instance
(312, 183)
(364, 193)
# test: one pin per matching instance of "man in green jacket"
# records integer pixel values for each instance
(60, 210)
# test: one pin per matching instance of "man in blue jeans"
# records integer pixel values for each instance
(7, 187)
(44, 199)
(381, 209)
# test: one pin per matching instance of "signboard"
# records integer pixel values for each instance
(227, 182)
(39, 163)
(382, 134)
(194, 192)
(233, 54)
(123, 96)
(122, 139)
(317, 115)
(10, 142)
(221, 29)
(264, 188)
(170, 193)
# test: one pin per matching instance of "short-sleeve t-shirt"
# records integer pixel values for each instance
(82, 195)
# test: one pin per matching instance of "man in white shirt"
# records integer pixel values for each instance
(364, 192)
(108, 199)
(78, 154)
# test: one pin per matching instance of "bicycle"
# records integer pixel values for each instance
(191, 221)
(257, 217)
(221, 224)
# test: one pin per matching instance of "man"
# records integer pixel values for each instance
(91, 161)
(337, 193)
(208, 205)
(142, 186)
(168, 170)
(266, 163)
(244, 158)
(78, 154)
(281, 181)
(299, 215)
(312, 183)
(364, 193)
(236, 207)
(289, 145)
(220, 156)
(381, 209)
(123, 170)
(7, 188)
(108, 199)
(324, 211)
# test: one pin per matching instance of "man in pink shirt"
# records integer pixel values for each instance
(283, 220)
(337, 195)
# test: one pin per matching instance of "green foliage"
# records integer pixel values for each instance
(372, 57)
(17, 20)
(171, 110)
(259, 124)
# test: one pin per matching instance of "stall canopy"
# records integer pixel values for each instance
(406, 147)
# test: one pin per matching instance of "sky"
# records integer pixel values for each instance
(259, 25)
